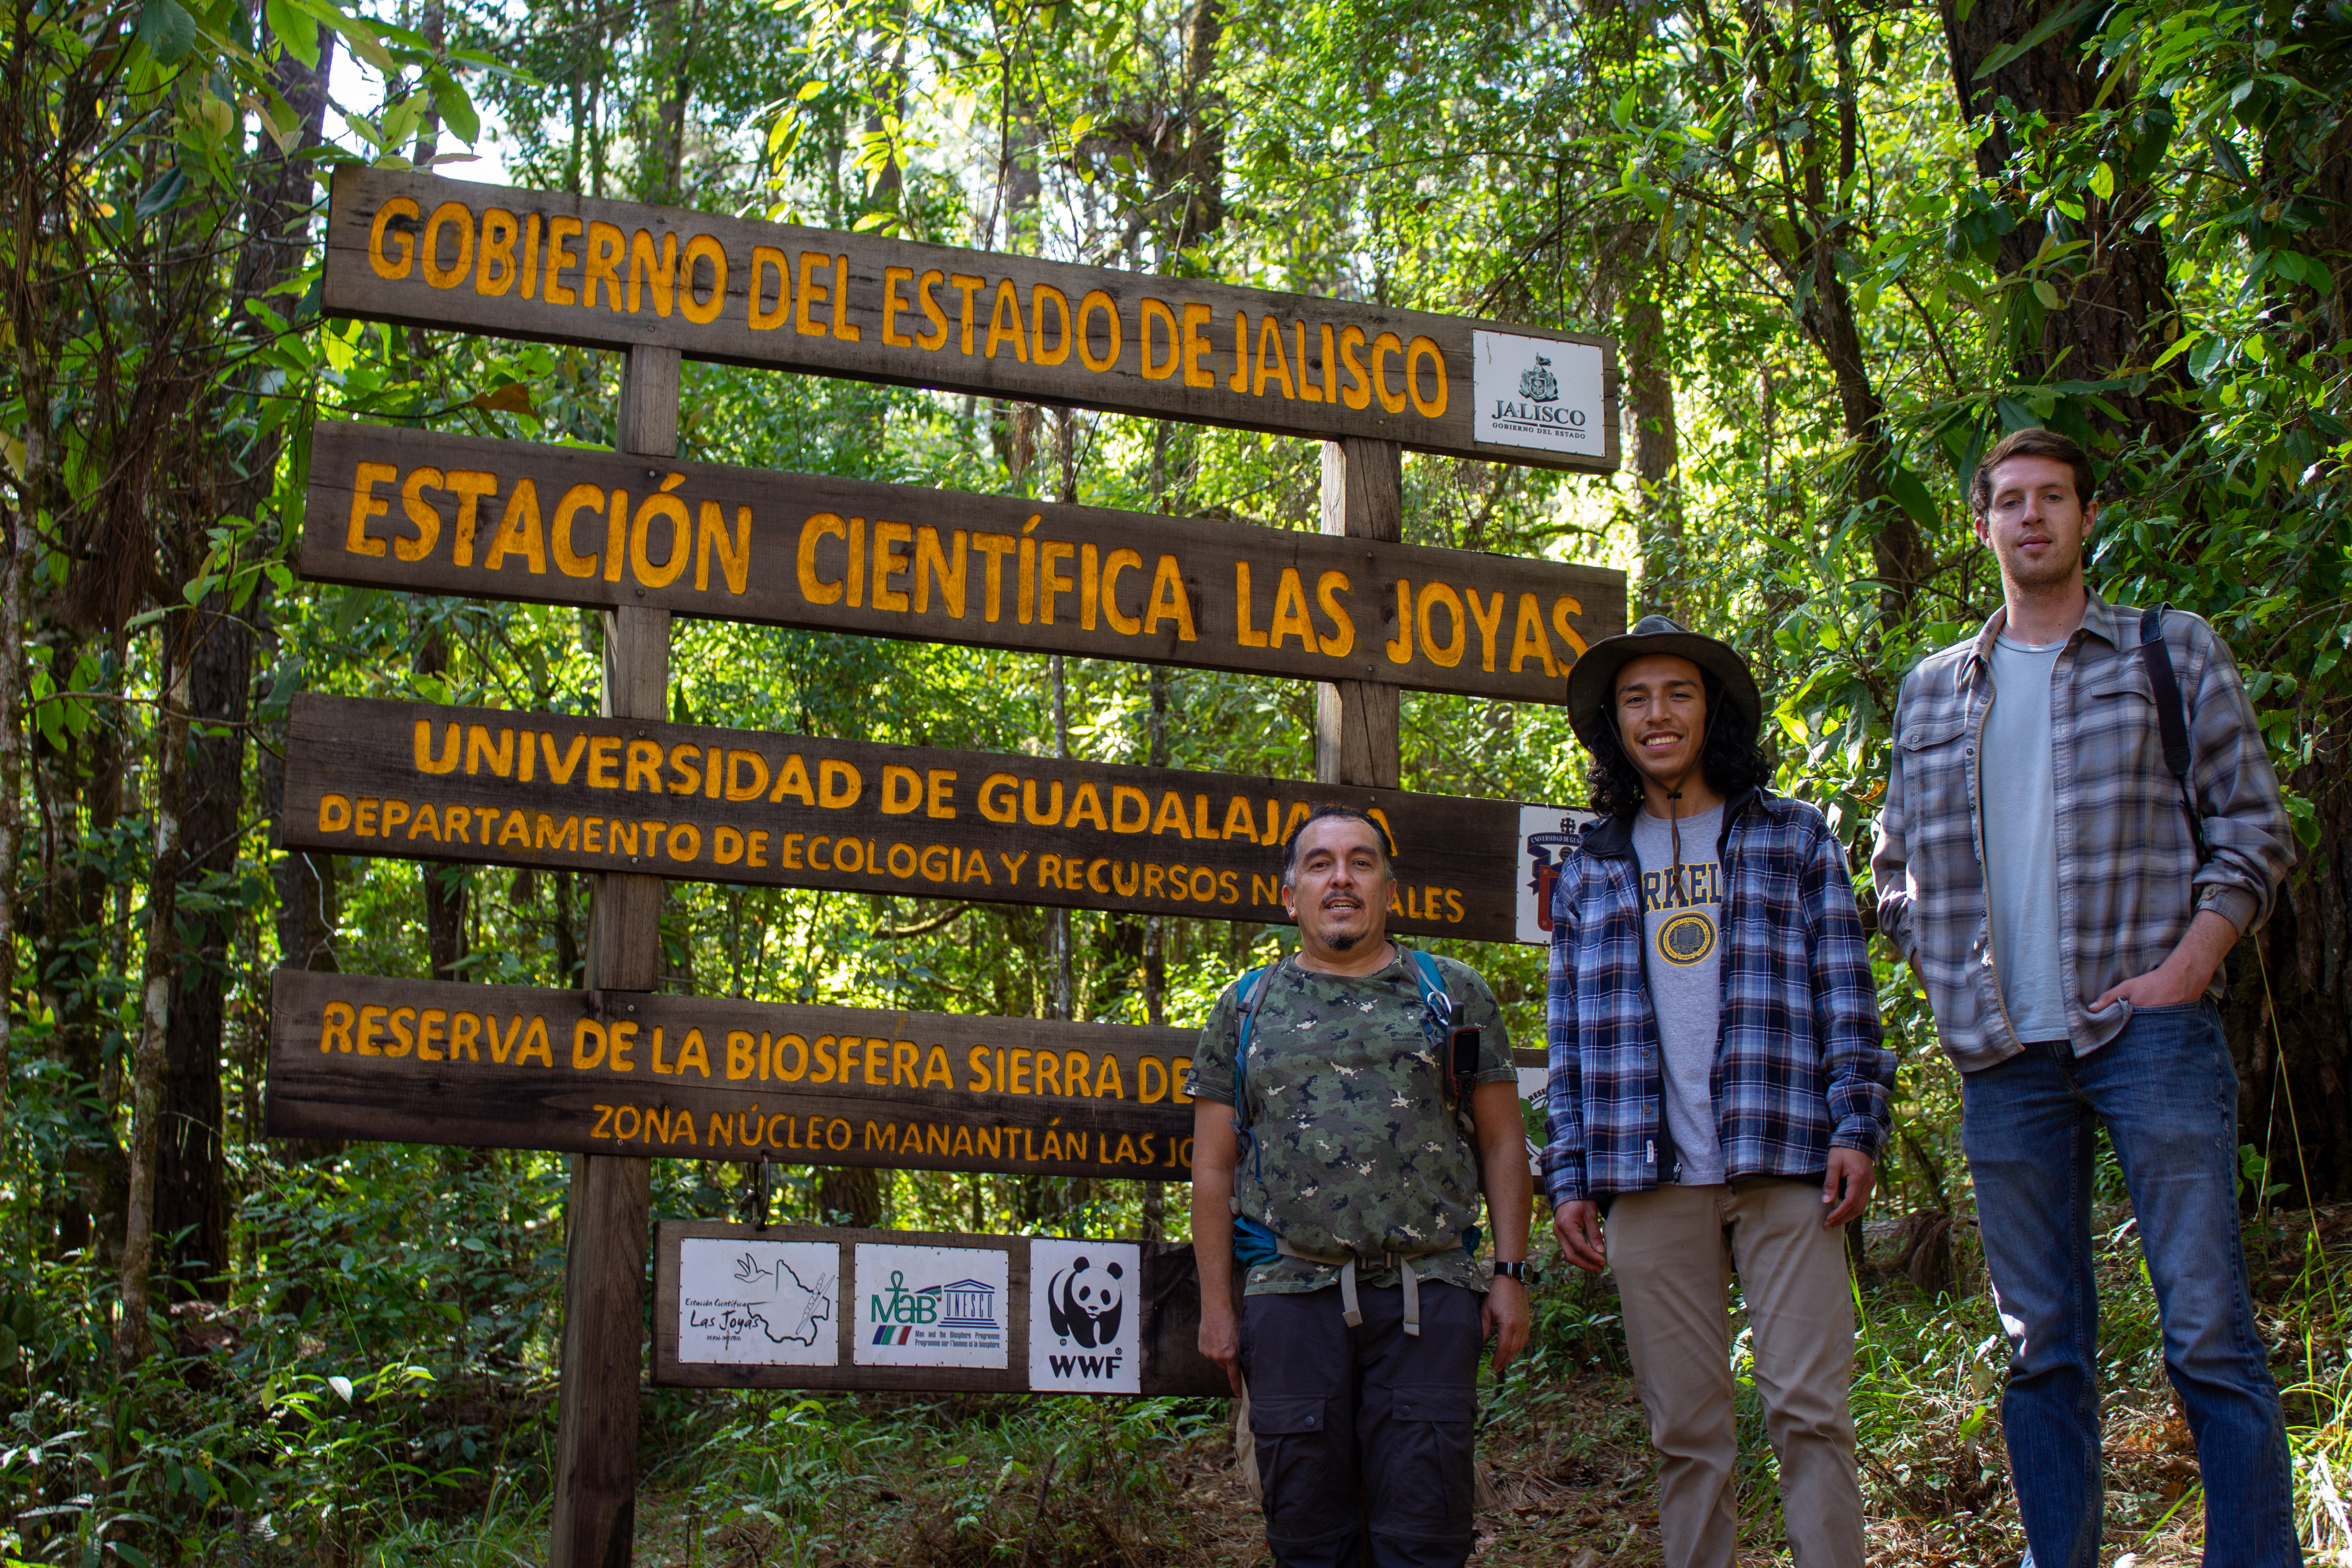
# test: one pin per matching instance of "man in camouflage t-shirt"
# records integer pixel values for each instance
(1360, 1340)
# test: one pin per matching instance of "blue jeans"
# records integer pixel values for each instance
(2168, 1095)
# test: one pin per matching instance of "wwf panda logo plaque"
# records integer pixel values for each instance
(1082, 1323)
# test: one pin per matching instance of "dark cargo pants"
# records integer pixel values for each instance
(1365, 1428)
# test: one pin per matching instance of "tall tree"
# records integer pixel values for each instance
(2091, 299)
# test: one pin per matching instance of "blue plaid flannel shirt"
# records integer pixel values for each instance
(1799, 1066)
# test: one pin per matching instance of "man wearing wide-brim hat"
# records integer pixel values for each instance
(1718, 1087)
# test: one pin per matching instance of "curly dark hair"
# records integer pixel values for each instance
(1732, 761)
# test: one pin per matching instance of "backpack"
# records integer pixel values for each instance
(1441, 1022)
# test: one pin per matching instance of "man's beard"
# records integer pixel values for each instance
(2052, 573)
(1339, 943)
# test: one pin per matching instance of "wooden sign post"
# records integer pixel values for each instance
(594, 1521)
(636, 801)
(1355, 721)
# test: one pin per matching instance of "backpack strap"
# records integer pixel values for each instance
(2171, 715)
(1255, 983)
(1440, 1016)
(1432, 978)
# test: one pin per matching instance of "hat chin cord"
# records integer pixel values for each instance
(1674, 798)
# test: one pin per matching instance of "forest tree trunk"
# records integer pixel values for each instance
(132, 1336)
(2119, 306)
(80, 794)
(19, 543)
(850, 1194)
(191, 1212)
(1819, 230)
(277, 242)
(1657, 440)
(1155, 943)
(444, 888)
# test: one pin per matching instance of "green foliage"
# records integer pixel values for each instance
(1846, 289)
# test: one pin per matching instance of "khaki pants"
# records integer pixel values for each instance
(1672, 1251)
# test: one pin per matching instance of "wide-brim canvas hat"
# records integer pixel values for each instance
(1592, 683)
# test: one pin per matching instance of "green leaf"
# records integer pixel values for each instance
(297, 29)
(2155, 135)
(164, 194)
(811, 90)
(2008, 52)
(369, 47)
(355, 603)
(1910, 492)
(2102, 182)
(2297, 267)
(457, 107)
(2305, 820)
(2046, 294)
(401, 121)
(167, 30)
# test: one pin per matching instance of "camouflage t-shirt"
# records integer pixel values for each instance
(1355, 1148)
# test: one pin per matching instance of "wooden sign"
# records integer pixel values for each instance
(416, 248)
(740, 1306)
(418, 510)
(637, 1074)
(692, 803)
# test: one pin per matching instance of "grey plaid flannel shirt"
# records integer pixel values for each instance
(2128, 878)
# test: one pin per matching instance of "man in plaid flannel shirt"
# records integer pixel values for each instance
(1717, 1084)
(2039, 866)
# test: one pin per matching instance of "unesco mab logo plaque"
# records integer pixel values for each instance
(1085, 1311)
(1535, 392)
(931, 1306)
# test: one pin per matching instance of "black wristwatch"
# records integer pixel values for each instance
(1517, 1269)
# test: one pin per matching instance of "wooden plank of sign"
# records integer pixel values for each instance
(414, 248)
(642, 1074)
(693, 803)
(1167, 1303)
(421, 511)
